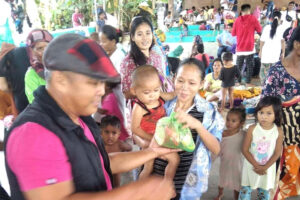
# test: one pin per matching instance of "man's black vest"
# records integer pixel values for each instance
(83, 155)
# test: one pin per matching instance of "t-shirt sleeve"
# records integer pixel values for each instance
(31, 84)
(214, 122)
(221, 76)
(258, 27)
(208, 78)
(37, 157)
(233, 32)
(264, 35)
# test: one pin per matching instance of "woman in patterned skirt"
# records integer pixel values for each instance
(283, 80)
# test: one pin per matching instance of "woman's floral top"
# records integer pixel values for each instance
(280, 83)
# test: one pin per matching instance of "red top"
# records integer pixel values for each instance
(202, 27)
(76, 19)
(149, 120)
(199, 56)
(110, 104)
(244, 29)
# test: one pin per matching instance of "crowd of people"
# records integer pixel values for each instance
(79, 104)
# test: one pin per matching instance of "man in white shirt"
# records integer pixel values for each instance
(168, 20)
(288, 16)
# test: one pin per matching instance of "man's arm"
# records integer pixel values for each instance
(147, 189)
(258, 27)
(126, 161)
(219, 40)
(233, 32)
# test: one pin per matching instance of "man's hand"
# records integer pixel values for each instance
(158, 150)
(159, 188)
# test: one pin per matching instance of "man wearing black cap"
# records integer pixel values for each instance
(54, 149)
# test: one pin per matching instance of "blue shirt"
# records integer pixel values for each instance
(100, 24)
(196, 182)
(226, 36)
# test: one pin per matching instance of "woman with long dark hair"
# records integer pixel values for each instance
(203, 57)
(283, 81)
(272, 45)
(141, 53)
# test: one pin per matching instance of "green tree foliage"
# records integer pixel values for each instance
(62, 16)
(129, 9)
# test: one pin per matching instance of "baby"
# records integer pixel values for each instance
(147, 110)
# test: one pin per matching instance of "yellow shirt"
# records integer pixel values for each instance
(180, 21)
(214, 84)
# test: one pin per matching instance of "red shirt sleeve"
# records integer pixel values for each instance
(258, 27)
(37, 157)
(233, 32)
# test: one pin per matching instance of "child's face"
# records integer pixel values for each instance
(266, 116)
(233, 122)
(110, 134)
(227, 62)
(102, 16)
(148, 92)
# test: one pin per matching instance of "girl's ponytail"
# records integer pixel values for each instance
(276, 17)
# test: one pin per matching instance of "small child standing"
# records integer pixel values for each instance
(231, 152)
(262, 147)
(227, 75)
(180, 21)
(110, 128)
(111, 106)
(147, 110)
(184, 32)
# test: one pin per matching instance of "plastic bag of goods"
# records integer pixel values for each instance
(177, 138)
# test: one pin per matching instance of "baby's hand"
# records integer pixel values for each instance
(172, 136)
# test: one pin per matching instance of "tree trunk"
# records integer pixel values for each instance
(33, 13)
(171, 7)
(153, 4)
